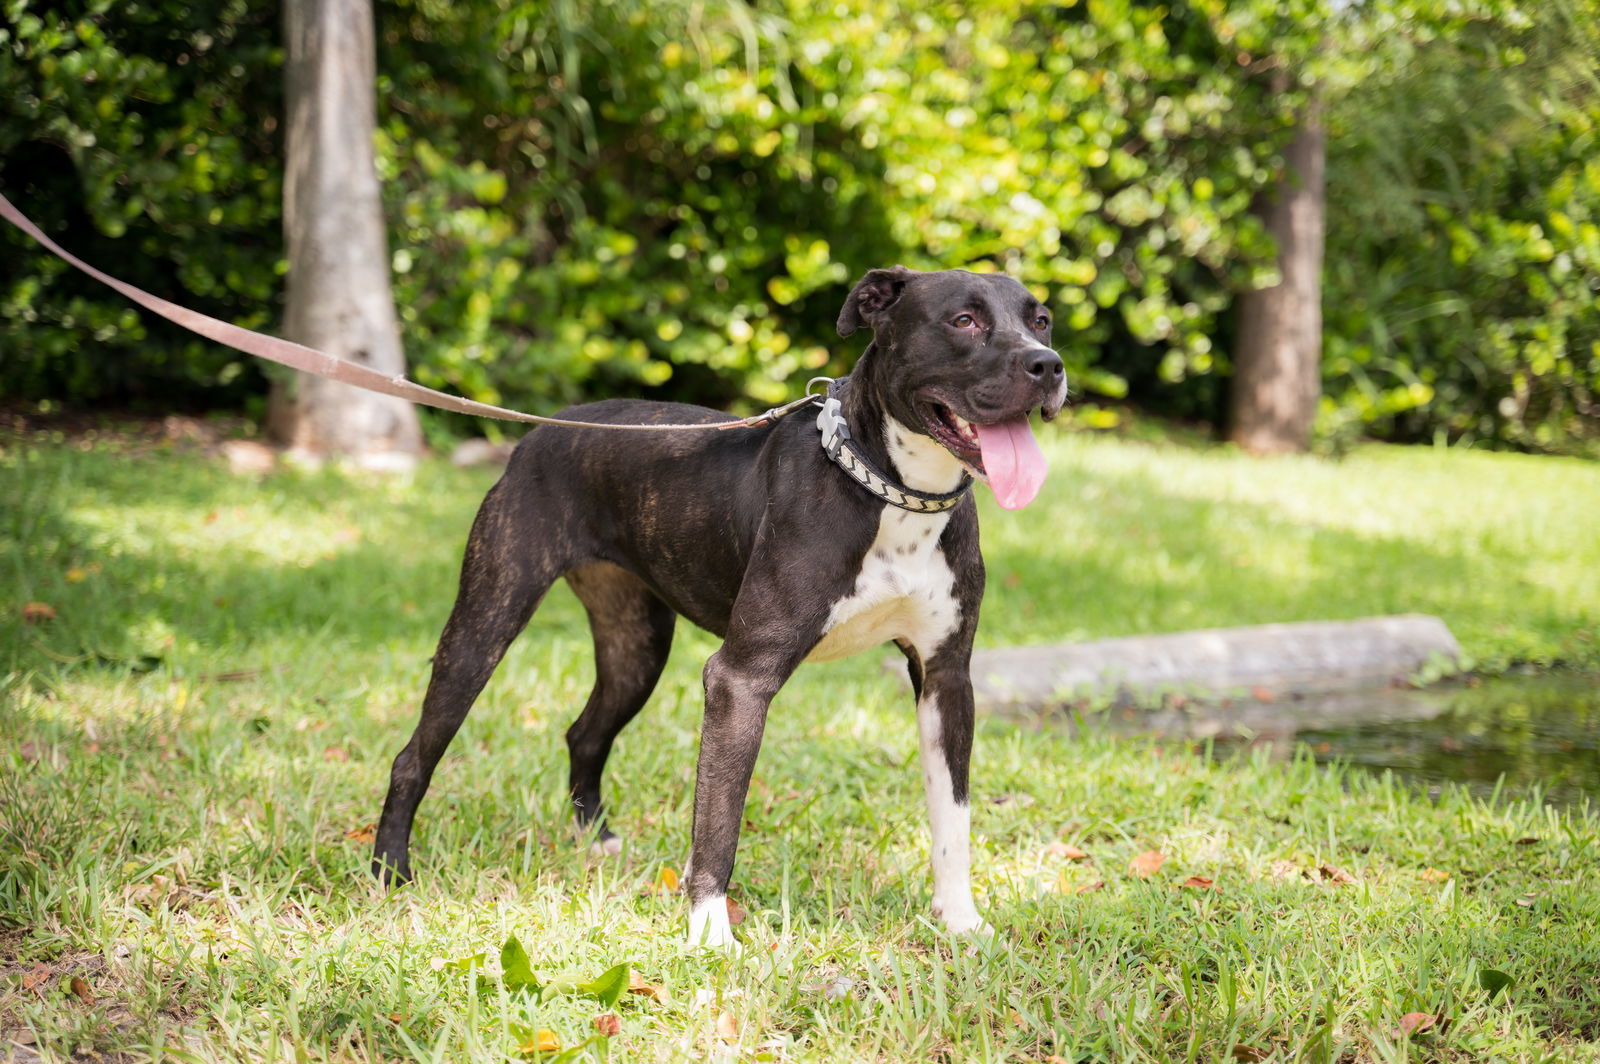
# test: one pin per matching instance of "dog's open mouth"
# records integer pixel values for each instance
(1004, 453)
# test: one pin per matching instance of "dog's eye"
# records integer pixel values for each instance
(963, 321)
(1042, 322)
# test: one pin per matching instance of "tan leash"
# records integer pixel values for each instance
(310, 360)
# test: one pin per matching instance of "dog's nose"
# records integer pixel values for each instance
(1043, 365)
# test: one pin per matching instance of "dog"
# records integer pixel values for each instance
(795, 541)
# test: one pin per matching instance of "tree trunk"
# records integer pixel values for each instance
(339, 298)
(1277, 372)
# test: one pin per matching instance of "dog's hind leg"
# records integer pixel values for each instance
(502, 582)
(632, 631)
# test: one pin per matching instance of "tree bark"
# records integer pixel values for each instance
(1277, 364)
(339, 299)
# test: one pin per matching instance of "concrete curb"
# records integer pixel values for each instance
(1286, 659)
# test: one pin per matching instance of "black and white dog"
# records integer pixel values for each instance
(790, 545)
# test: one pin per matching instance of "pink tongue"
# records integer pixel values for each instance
(1012, 460)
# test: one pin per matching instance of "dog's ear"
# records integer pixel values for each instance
(872, 295)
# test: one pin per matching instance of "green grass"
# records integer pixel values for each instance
(187, 747)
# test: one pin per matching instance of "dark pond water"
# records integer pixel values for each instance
(1527, 734)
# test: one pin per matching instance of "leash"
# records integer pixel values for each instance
(322, 364)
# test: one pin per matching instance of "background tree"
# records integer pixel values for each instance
(338, 282)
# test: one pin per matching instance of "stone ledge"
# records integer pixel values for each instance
(1286, 659)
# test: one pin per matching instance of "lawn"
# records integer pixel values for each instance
(194, 746)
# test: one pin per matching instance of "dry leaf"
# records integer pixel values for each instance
(736, 915)
(33, 979)
(544, 1040)
(37, 612)
(727, 1027)
(1527, 900)
(666, 881)
(1528, 840)
(1098, 884)
(637, 985)
(1147, 864)
(1434, 875)
(80, 990)
(1064, 849)
(608, 1024)
(1250, 1054)
(1199, 883)
(366, 834)
(1416, 1023)
(335, 753)
(1335, 874)
(395, 1017)
(1283, 870)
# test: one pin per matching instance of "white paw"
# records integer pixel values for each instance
(608, 847)
(709, 927)
(963, 920)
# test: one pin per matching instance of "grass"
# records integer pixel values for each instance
(191, 750)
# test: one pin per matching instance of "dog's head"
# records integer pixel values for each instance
(963, 358)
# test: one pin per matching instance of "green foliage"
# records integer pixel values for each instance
(626, 197)
(1466, 290)
(144, 137)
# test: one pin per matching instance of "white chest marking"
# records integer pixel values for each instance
(905, 591)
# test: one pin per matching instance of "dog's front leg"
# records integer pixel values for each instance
(944, 731)
(739, 688)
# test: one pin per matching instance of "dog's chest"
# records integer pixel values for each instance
(904, 591)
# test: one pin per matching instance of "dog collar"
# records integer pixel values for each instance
(847, 454)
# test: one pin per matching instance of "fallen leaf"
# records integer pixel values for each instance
(666, 881)
(727, 1027)
(1416, 1023)
(1527, 900)
(1250, 1054)
(1528, 840)
(37, 612)
(608, 986)
(80, 989)
(366, 834)
(395, 1017)
(1283, 870)
(1147, 864)
(1098, 884)
(608, 1024)
(544, 1040)
(1199, 883)
(335, 753)
(32, 980)
(736, 915)
(1064, 849)
(1434, 875)
(1493, 981)
(1335, 874)
(637, 985)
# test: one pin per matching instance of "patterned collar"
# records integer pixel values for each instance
(848, 456)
